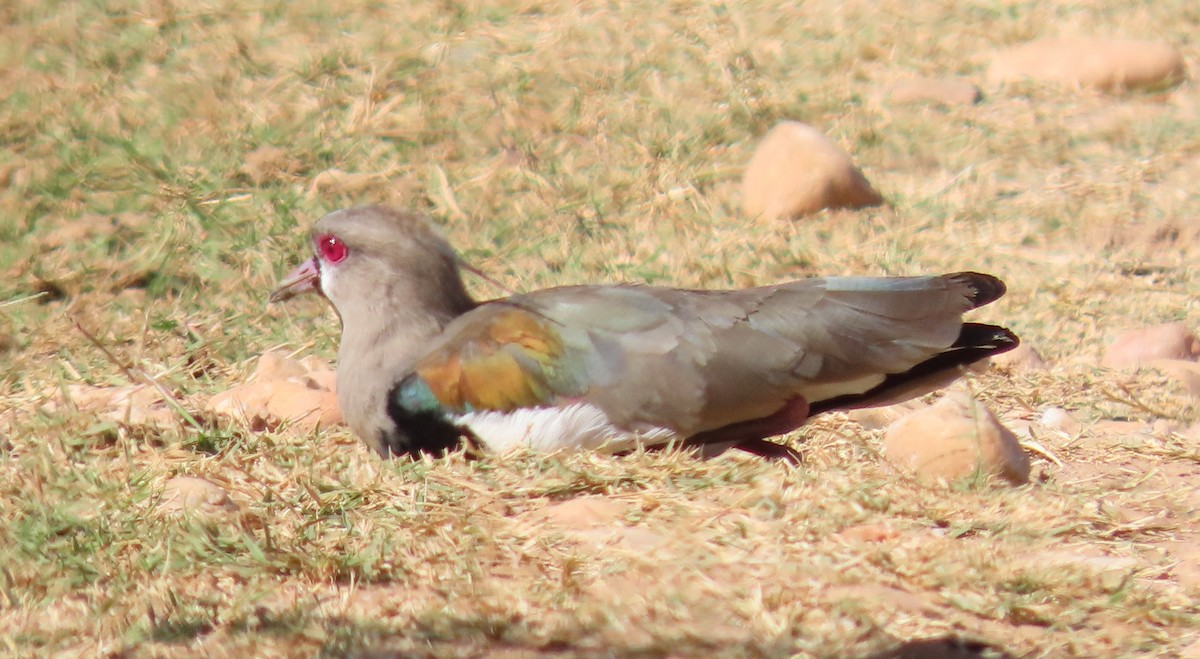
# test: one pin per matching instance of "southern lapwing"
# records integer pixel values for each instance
(424, 368)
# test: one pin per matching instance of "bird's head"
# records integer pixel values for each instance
(369, 256)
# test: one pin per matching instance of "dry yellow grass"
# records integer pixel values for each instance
(160, 160)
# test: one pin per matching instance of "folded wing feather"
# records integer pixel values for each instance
(691, 361)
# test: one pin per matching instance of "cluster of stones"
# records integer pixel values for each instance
(797, 170)
(959, 437)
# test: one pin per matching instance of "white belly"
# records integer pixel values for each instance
(575, 427)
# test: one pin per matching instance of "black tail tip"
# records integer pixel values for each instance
(992, 338)
(987, 288)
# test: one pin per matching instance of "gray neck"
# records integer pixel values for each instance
(382, 338)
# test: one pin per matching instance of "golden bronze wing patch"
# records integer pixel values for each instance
(508, 359)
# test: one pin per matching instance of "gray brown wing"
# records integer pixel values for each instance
(698, 360)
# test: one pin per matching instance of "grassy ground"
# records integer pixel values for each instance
(160, 162)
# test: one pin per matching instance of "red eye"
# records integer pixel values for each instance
(331, 248)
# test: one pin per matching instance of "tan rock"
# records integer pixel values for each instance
(299, 392)
(1023, 358)
(797, 171)
(246, 401)
(276, 365)
(321, 376)
(932, 91)
(303, 406)
(311, 371)
(955, 438)
(1140, 346)
(1106, 64)
(188, 494)
(266, 404)
(314, 364)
